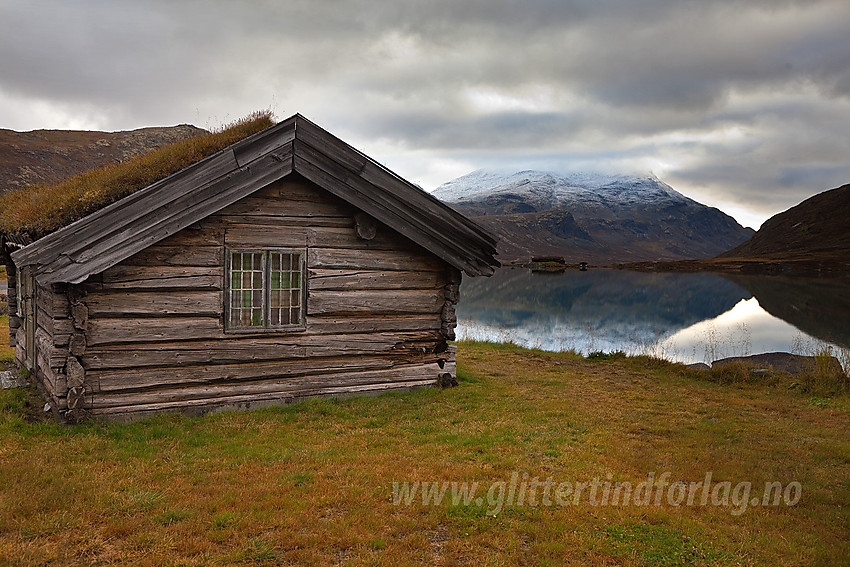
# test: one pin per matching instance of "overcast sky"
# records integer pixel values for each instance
(742, 104)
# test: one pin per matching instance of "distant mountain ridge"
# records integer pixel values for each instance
(50, 156)
(818, 229)
(588, 217)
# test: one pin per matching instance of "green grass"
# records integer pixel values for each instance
(40, 209)
(312, 483)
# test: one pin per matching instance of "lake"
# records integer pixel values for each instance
(696, 317)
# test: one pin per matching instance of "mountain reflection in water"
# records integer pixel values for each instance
(687, 317)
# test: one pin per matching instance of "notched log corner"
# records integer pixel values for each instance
(446, 380)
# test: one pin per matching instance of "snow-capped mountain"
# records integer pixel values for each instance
(545, 190)
(591, 217)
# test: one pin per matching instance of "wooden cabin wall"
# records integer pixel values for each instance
(378, 313)
(12, 301)
(43, 349)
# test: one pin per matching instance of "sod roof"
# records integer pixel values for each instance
(34, 211)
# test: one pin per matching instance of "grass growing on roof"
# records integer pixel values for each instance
(41, 209)
(311, 484)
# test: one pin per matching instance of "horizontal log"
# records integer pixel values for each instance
(55, 355)
(177, 256)
(320, 279)
(142, 378)
(160, 277)
(106, 331)
(259, 236)
(128, 330)
(283, 220)
(293, 190)
(54, 305)
(53, 380)
(195, 235)
(375, 301)
(304, 385)
(368, 324)
(373, 260)
(204, 303)
(59, 329)
(253, 401)
(280, 207)
(285, 236)
(277, 347)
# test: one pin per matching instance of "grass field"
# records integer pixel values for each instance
(313, 483)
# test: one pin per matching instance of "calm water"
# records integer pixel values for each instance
(682, 317)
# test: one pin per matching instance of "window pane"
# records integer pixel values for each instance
(285, 292)
(236, 261)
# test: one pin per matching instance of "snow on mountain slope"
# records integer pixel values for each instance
(591, 217)
(546, 190)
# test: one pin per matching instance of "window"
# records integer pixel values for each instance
(265, 289)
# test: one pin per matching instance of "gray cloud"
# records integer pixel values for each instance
(747, 102)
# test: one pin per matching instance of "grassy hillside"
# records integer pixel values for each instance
(49, 156)
(313, 483)
(817, 231)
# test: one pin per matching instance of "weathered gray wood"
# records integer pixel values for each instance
(54, 305)
(55, 355)
(80, 316)
(323, 279)
(365, 225)
(75, 294)
(209, 256)
(103, 331)
(372, 260)
(255, 205)
(141, 378)
(42, 319)
(160, 222)
(53, 380)
(75, 372)
(77, 344)
(161, 277)
(276, 347)
(272, 139)
(286, 236)
(119, 214)
(270, 220)
(131, 412)
(253, 236)
(374, 301)
(292, 386)
(140, 330)
(207, 235)
(326, 171)
(369, 324)
(201, 303)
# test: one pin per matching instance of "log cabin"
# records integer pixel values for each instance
(287, 265)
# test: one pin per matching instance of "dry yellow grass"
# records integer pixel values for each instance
(39, 210)
(7, 353)
(311, 484)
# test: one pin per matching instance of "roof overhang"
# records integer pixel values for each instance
(116, 232)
